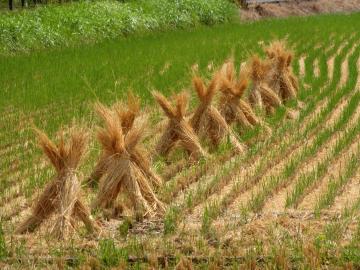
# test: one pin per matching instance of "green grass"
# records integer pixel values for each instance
(107, 70)
(335, 186)
(91, 21)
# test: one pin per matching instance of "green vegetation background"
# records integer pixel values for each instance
(91, 21)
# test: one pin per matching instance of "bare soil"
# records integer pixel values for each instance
(299, 8)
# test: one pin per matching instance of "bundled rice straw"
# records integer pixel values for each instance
(261, 94)
(206, 119)
(281, 78)
(62, 195)
(178, 129)
(126, 117)
(233, 107)
(127, 114)
(122, 173)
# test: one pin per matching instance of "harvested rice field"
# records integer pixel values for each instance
(227, 147)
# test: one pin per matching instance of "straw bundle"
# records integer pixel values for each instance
(126, 116)
(178, 129)
(261, 94)
(62, 195)
(207, 120)
(281, 78)
(233, 107)
(123, 173)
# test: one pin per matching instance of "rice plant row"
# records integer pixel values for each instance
(257, 175)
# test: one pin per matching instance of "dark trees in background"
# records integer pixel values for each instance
(11, 3)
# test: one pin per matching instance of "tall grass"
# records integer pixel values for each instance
(90, 21)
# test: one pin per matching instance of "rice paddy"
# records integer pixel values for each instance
(190, 156)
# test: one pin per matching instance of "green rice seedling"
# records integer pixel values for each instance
(3, 247)
(170, 220)
(334, 230)
(335, 185)
(289, 172)
(295, 196)
(109, 254)
(209, 211)
(356, 238)
(125, 226)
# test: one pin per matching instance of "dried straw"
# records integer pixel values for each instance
(126, 116)
(62, 195)
(261, 94)
(178, 129)
(281, 78)
(232, 106)
(207, 121)
(124, 173)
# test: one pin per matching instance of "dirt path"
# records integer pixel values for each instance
(316, 68)
(302, 66)
(299, 8)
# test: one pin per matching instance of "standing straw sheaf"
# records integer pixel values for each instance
(281, 78)
(126, 116)
(232, 106)
(207, 120)
(261, 94)
(178, 129)
(122, 173)
(62, 195)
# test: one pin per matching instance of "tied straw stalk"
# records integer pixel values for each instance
(122, 173)
(281, 77)
(177, 129)
(207, 120)
(127, 115)
(261, 94)
(233, 107)
(62, 195)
